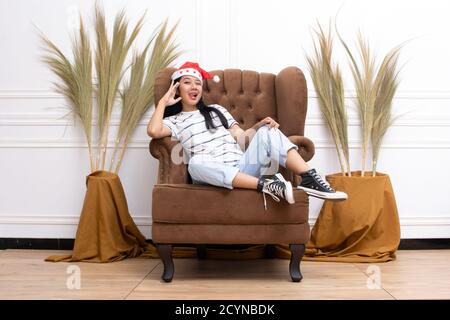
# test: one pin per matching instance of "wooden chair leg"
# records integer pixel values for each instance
(297, 252)
(165, 253)
(270, 251)
(201, 251)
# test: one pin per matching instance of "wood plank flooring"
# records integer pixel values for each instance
(416, 274)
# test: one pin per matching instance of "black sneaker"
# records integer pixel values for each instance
(277, 187)
(314, 185)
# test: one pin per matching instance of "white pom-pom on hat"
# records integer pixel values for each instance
(216, 79)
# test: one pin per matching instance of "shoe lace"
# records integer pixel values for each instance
(274, 189)
(322, 181)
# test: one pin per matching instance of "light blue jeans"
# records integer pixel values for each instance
(267, 150)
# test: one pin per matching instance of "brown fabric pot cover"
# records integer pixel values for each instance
(364, 228)
(106, 232)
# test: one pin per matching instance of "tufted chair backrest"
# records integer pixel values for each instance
(251, 96)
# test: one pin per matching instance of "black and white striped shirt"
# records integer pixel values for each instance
(190, 129)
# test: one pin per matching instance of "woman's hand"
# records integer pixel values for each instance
(268, 120)
(169, 98)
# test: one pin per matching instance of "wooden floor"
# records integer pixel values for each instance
(416, 274)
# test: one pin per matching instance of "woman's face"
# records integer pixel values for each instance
(190, 90)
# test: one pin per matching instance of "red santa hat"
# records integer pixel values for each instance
(194, 70)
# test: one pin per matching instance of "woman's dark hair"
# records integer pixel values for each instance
(204, 110)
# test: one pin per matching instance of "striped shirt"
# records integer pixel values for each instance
(190, 129)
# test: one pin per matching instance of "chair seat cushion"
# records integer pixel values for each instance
(205, 204)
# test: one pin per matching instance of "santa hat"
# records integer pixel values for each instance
(194, 70)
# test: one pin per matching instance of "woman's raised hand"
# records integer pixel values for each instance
(169, 98)
(269, 121)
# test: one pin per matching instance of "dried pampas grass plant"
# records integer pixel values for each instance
(77, 86)
(375, 90)
(329, 87)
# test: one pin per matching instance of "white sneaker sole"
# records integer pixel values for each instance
(336, 196)
(289, 190)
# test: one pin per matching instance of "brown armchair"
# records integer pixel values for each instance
(202, 214)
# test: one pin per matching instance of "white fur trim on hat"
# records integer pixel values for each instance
(187, 72)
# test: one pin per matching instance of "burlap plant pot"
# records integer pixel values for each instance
(106, 232)
(364, 228)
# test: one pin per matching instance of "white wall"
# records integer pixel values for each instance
(43, 157)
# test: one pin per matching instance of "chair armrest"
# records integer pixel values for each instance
(306, 150)
(172, 163)
(305, 146)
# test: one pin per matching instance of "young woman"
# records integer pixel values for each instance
(214, 143)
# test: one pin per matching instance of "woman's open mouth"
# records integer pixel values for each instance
(193, 95)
